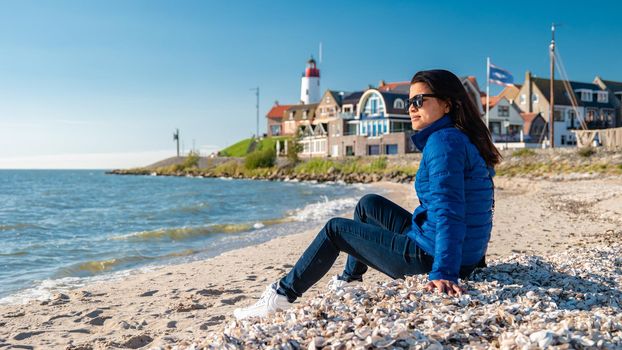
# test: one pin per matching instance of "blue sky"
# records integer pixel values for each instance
(102, 84)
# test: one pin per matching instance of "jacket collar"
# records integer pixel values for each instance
(421, 137)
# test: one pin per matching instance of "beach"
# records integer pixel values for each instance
(193, 302)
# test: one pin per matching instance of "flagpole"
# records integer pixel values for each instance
(487, 91)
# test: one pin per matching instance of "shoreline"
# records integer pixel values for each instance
(184, 303)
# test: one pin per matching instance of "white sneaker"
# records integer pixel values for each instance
(269, 303)
(336, 284)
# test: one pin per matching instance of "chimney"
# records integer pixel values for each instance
(381, 83)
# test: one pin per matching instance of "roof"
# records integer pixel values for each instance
(299, 109)
(614, 86)
(352, 98)
(277, 111)
(493, 100)
(338, 95)
(562, 97)
(529, 116)
(473, 81)
(398, 86)
(389, 99)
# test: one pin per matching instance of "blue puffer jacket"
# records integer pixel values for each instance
(456, 192)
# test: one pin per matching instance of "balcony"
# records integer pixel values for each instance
(346, 115)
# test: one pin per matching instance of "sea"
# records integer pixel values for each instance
(62, 229)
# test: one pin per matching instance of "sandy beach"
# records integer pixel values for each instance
(189, 302)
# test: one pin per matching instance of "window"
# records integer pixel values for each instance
(304, 115)
(397, 127)
(563, 139)
(291, 115)
(373, 150)
(558, 115)
(327, 100)
(398, 103)
(495, 127)
(523, 99)
(586, 95)
(349, 151)
(390, 149)
(572, 119)
(275, 130)
(608, 117)
(590, 115)
(504, 111)
(535, 98)
(374, 105)
(602, 97)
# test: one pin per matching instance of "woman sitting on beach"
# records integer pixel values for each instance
(446, 236)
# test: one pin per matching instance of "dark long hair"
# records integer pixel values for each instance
(463, 112)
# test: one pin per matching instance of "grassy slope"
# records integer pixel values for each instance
(239, 149)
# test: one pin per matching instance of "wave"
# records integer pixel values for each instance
(324, 210)
(20, 253)
(17, 226)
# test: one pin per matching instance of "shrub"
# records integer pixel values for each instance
(294, 147)
(378, 164)
(192, 160)
(263, 158)
(315, 166)
(523, 152)
(586, 151)
(229, 168)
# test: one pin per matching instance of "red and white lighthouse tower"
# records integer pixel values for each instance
(310, 84)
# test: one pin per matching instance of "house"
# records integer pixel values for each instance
(615, 89)
(275, 119)
(504, 119)
(378, 124)
(297, 115)
(587, 105)
(469, 83)
(315, 138)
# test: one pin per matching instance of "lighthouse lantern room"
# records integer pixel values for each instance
(310, 84)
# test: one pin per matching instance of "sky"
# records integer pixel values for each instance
(104, 83)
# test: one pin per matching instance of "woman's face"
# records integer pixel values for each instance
(432, 109)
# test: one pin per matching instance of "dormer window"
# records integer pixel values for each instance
(602, 97)
(586, 95)
(398, 103)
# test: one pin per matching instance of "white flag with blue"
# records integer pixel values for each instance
(500, 76)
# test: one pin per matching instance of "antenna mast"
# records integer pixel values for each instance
(257, 106)
(176, 138)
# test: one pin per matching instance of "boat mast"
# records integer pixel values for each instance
(552, 100)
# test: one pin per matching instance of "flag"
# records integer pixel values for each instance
(500, 76)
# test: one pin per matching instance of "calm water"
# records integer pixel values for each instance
(60, 229)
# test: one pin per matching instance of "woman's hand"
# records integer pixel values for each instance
(445, 286)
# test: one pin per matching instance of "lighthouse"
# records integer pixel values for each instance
(310, 84)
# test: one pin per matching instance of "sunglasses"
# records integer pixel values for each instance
(417, 100)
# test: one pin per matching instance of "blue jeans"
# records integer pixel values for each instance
(376, 237)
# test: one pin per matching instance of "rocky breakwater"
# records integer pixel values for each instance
(331, 175)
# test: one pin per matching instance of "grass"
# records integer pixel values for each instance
(239, 149)
(586, 151)
(523, 152)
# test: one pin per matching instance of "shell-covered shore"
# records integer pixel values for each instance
(568, 300)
